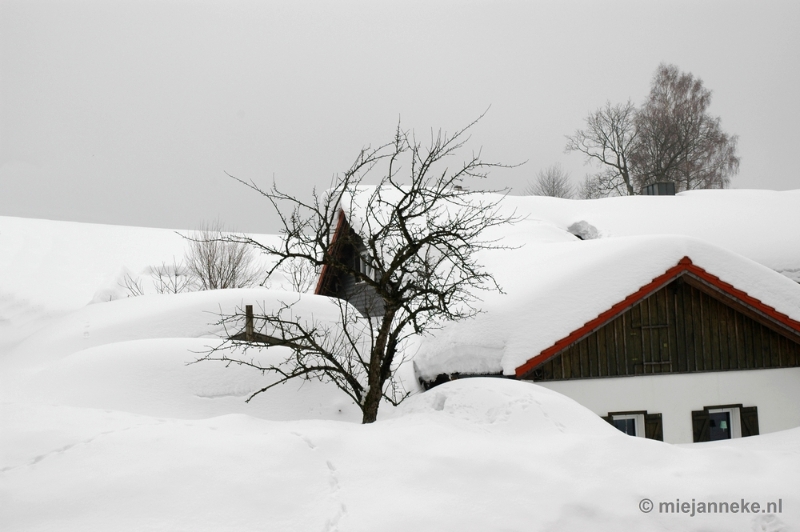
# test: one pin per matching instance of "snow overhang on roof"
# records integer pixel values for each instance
(569, 288)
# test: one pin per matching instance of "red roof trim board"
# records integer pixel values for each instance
(684, 266)
(340, 226)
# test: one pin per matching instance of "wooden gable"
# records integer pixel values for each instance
(346, 246)
(329, 279)
(690, 322)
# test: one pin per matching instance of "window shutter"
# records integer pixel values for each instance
(652, 427)
(608, 418)
(749, 421)
(700, 425)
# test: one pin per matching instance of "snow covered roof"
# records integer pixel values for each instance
(762, 225)
(556, 283)
(554, 289)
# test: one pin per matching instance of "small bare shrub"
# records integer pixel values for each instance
(172, 278)
(217, 260)
(552, 181)
(132, 285)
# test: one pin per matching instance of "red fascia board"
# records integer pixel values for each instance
(743, 297)
(684, 265)
(340, 227)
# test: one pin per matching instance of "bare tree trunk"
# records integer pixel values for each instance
(627, 178)
(374, 381)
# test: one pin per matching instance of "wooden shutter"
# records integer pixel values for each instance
(749, 417)
(700, 427)
(652, 427)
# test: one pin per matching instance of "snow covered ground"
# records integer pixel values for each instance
(479, 454)
(103, 426)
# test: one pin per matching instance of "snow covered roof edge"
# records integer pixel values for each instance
(684, 266)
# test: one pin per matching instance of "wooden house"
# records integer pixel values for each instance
(685, 354)
(686, 321)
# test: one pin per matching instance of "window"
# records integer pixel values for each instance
(630, 424)
(724, 422)
(361, 263)
(637, 423)
(626, 425)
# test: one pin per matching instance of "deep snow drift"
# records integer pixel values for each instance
(104, 426)
(477, 454)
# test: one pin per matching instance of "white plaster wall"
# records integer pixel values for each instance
(776, 393)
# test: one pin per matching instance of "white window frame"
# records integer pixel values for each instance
(736, 419)
(364, 267)
(639, 418)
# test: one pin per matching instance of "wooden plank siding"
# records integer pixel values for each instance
(680, 328)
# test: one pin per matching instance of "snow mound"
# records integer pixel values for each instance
(157, 377)
(132, 354)
(507, 405)
(188, 315)
(584, 230)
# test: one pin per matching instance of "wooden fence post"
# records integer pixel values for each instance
(248, 324)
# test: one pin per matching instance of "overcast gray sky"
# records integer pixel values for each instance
(131, 112)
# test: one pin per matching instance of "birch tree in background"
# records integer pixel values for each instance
(671, 138)
(678, 140)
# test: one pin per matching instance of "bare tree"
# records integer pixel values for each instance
(608, 139)
(216, 260)
(678, 140)
(552, 181)
(416, 235)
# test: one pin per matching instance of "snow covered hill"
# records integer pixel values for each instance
(104, 426)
